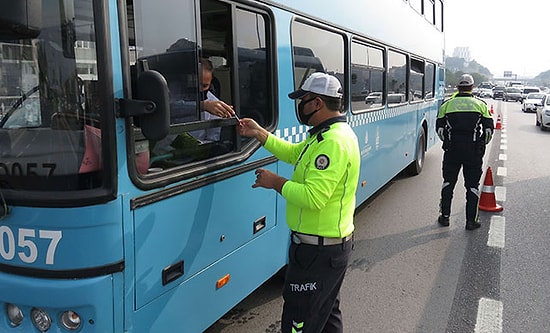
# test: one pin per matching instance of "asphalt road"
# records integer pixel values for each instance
(407, 274)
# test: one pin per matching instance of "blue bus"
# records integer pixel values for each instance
(114, 215)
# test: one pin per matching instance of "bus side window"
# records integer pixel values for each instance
(397, 78)
(234, 44)
(316, 50)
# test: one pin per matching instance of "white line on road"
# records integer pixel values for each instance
(503, 147)
(502, 157)
(501, 171)
(500, 193)
(497, 232)
(489, 316)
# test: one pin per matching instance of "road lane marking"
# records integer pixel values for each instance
(501, 171)
(489, 316)
(500, 193)
(502, 157)
(497, 232)
(503, 147)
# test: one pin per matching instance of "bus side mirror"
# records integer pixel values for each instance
(152, 86)
(20, 19)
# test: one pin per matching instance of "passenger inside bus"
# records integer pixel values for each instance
(211, 108)
(242, 79)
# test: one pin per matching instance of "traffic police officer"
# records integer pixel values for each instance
(465, 126)
(320, 200)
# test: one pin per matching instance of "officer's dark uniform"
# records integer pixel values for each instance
(464, 120)
(320, 205)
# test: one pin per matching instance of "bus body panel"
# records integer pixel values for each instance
(62, 239)
(199, 228)
(248, 266)
(87, 297)
(372, 21)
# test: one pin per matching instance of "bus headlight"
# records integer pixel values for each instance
(15, 315)
(41, 319)
(70, 320)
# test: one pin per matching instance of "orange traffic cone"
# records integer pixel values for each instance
(492, 111)
(487, 200)
(499, 123)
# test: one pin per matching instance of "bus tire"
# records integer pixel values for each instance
(415, 168)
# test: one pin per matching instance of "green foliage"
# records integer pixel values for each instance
(543, 79)
(451, 78)
(455, 67)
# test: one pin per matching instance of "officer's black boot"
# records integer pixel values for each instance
(443, 220)
(472, 225)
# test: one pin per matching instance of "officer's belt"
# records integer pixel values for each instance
(299, 238)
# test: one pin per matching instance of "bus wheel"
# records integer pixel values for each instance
(416, 166)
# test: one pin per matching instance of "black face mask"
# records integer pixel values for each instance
(304, 118)
(203, 95)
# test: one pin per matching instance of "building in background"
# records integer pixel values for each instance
(462, 52)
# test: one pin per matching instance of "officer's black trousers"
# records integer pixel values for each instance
(312, 288)
(469, 157)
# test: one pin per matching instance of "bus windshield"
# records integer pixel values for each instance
(50, 133)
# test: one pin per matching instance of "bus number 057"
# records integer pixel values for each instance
(28, 250)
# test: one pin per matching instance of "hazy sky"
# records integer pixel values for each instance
(502, 35)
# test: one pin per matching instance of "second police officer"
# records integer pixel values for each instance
(465, 126)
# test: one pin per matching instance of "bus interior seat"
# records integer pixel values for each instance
(215, 87)
(223, 76)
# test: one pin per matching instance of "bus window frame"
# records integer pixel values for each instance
(201, 168)
(346, 45)
(422, 74)
(405, 100)
(108, 190)
(371, 44)
(433, 77)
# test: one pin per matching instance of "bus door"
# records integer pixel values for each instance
(197, 221)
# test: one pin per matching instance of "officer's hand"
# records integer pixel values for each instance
(250, 128)
(440, 134)
(269, 180)
(488, 135)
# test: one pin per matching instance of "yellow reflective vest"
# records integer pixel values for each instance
(321, 193)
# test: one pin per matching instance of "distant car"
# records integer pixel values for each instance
(485, 92)
(498, 92)
(374, 98)
(532, 102)
(512, 94)
(527, 90)
(397, 98)
(543, 114)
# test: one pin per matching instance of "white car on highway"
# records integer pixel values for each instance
(527, 90)
(485, 92)
(543, 114)
(532, 102)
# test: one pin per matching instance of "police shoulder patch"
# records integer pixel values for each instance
(322, 162)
